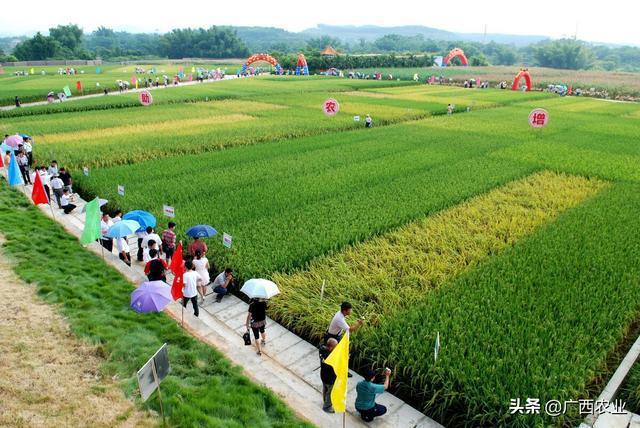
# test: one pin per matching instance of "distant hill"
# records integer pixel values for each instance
(369, 33)
(261, 39)
(8, 43)
(353, 34)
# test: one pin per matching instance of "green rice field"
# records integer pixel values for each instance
(517, 246)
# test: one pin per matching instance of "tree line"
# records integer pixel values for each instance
(393, 50)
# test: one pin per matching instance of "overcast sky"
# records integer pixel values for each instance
(613, 21)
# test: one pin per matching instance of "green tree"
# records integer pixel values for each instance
(38, 47)
(564, 53)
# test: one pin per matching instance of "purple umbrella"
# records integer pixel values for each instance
(151, 296)
(13, 140)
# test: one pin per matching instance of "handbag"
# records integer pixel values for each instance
(247, 338)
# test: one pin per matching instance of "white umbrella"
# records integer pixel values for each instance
(258, 288)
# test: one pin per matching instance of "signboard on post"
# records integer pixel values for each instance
(538, 118)
(168, 211)
(226, 240)
(120, 190)
(152, 373)
(145, 98)
(331, 107)
(356, 118)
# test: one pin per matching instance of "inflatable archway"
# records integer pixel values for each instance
(455, 52)
(262, 57)
(527, 78)
(301, 66)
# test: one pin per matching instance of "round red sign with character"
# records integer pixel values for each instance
(538, 118)
(331, 107)
(145, 98)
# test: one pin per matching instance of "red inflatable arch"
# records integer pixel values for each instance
(262, 57)
(455, 52)
(527, 78)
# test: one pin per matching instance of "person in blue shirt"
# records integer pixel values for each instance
(366, 398)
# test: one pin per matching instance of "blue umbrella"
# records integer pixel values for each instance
(151, 296)
(202, 231)
(4, 147)
(145, 218)
(123, 228)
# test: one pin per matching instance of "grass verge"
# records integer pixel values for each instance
(204, 389)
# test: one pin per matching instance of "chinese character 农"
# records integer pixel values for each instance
(600, 407)
(515, 406)
(330, 107)
(532, 406)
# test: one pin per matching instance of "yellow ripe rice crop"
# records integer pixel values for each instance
(174, 126)
(387, 273)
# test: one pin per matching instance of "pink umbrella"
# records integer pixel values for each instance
(13, 140)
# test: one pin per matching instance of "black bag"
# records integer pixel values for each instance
(247, 338)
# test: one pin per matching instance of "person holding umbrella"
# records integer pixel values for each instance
(196, 232)
(259, 290)
(257, 321)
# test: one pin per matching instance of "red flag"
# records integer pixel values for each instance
(79, 85)
(177, 267)
(38, 195)
(1, 162)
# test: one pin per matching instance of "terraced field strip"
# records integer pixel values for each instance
(385, 274)
(177, 127)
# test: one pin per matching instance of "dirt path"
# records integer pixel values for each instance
(48, 377)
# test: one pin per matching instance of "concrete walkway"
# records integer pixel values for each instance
(289, 365)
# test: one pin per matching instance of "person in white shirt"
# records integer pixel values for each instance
(191, 279)
(339, 324)
(222, 284)
(105, 225)
(64, 202)
(46, 180)
(58, 187)
(146, 256)
(151, 235)
(117, 216)
(53, 168)
(202, 267)
(28, 149)
(123, 250)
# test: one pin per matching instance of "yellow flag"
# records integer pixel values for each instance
(193, 69)
(339, 360)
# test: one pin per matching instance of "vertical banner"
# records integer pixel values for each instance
(67, 91)
(120, 190)
(85, 171)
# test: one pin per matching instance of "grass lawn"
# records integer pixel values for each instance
(204, 389)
